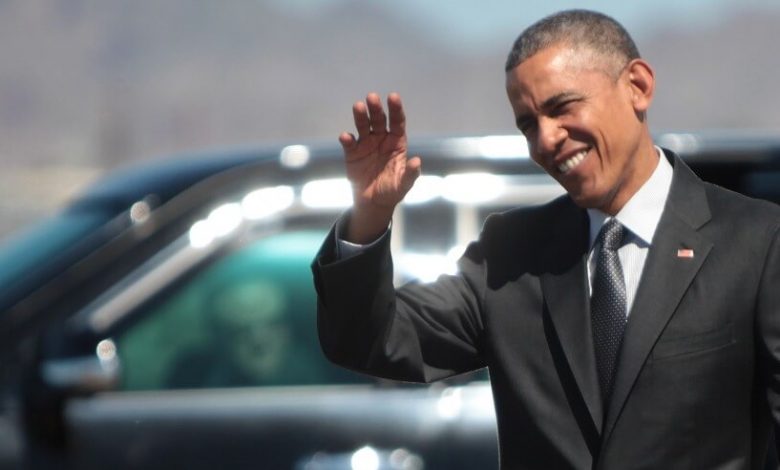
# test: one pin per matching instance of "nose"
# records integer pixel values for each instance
(550, 136)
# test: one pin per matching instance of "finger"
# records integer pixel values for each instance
(347, 141)
(362, 124)
(377, 114)
(412, 172)
(397, 116)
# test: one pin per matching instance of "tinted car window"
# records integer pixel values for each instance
(33, 254)
(765, 185)
(246, 320)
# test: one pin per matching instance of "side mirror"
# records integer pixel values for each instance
(94, 373)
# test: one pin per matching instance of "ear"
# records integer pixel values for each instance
(641, 82)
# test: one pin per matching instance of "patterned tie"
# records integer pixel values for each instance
(608, 305)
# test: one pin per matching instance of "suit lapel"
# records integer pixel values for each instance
(566, 296)
(666, 277)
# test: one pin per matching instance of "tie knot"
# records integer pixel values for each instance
(611, 235)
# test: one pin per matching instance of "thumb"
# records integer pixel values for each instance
(411, 173)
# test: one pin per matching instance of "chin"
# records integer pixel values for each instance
(587, 201)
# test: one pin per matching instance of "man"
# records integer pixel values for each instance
(633, 323)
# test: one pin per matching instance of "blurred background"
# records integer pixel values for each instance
(89, 85)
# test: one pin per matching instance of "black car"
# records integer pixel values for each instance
(166, 317)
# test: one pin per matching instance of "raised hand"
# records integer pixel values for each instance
(377, 165)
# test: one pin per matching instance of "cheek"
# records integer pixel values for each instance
(582, 124)
(620, 116)
(534, 155)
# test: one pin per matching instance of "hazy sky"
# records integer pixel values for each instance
(487, 22)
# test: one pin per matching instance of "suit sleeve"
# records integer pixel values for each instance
(768, 322)
(419, 333)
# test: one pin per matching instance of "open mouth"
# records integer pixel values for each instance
(573, 162)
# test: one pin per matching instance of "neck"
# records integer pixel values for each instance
(644, 162)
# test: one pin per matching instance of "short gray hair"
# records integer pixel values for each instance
(578, 28)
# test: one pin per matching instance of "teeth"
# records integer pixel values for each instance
(572, 162)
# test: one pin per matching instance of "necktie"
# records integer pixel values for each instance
(608, 305)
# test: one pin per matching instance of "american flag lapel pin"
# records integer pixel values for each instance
(685, 253)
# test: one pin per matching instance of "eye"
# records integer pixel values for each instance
(526, 125)
(564, 107)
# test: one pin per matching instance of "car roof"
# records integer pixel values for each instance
(164, 178)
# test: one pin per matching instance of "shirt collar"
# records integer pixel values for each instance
(642, 212)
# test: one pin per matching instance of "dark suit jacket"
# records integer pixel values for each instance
(698, 379)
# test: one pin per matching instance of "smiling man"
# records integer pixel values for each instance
(632, 323)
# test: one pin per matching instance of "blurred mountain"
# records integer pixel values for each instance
(97, 82)
(100, 82)
(86, 85)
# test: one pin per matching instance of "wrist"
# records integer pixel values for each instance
(366, 224)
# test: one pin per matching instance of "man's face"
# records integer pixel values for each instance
(581, 122)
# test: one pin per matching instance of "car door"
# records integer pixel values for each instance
(206, 356)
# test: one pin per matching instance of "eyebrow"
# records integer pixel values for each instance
(550, 103)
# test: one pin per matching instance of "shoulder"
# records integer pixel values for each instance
(525, 218)
(736, 204)
(528, 228)
(740, 212)
(700, 202)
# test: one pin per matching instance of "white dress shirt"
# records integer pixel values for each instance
(640, 217)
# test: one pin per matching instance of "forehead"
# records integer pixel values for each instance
(556, 69)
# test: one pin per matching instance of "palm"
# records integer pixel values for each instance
(376, 162)
(376, 167)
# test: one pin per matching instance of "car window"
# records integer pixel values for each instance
(35, 253)
(764, 184)
(249, 319)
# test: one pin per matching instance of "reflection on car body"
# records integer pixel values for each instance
(166, 318)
